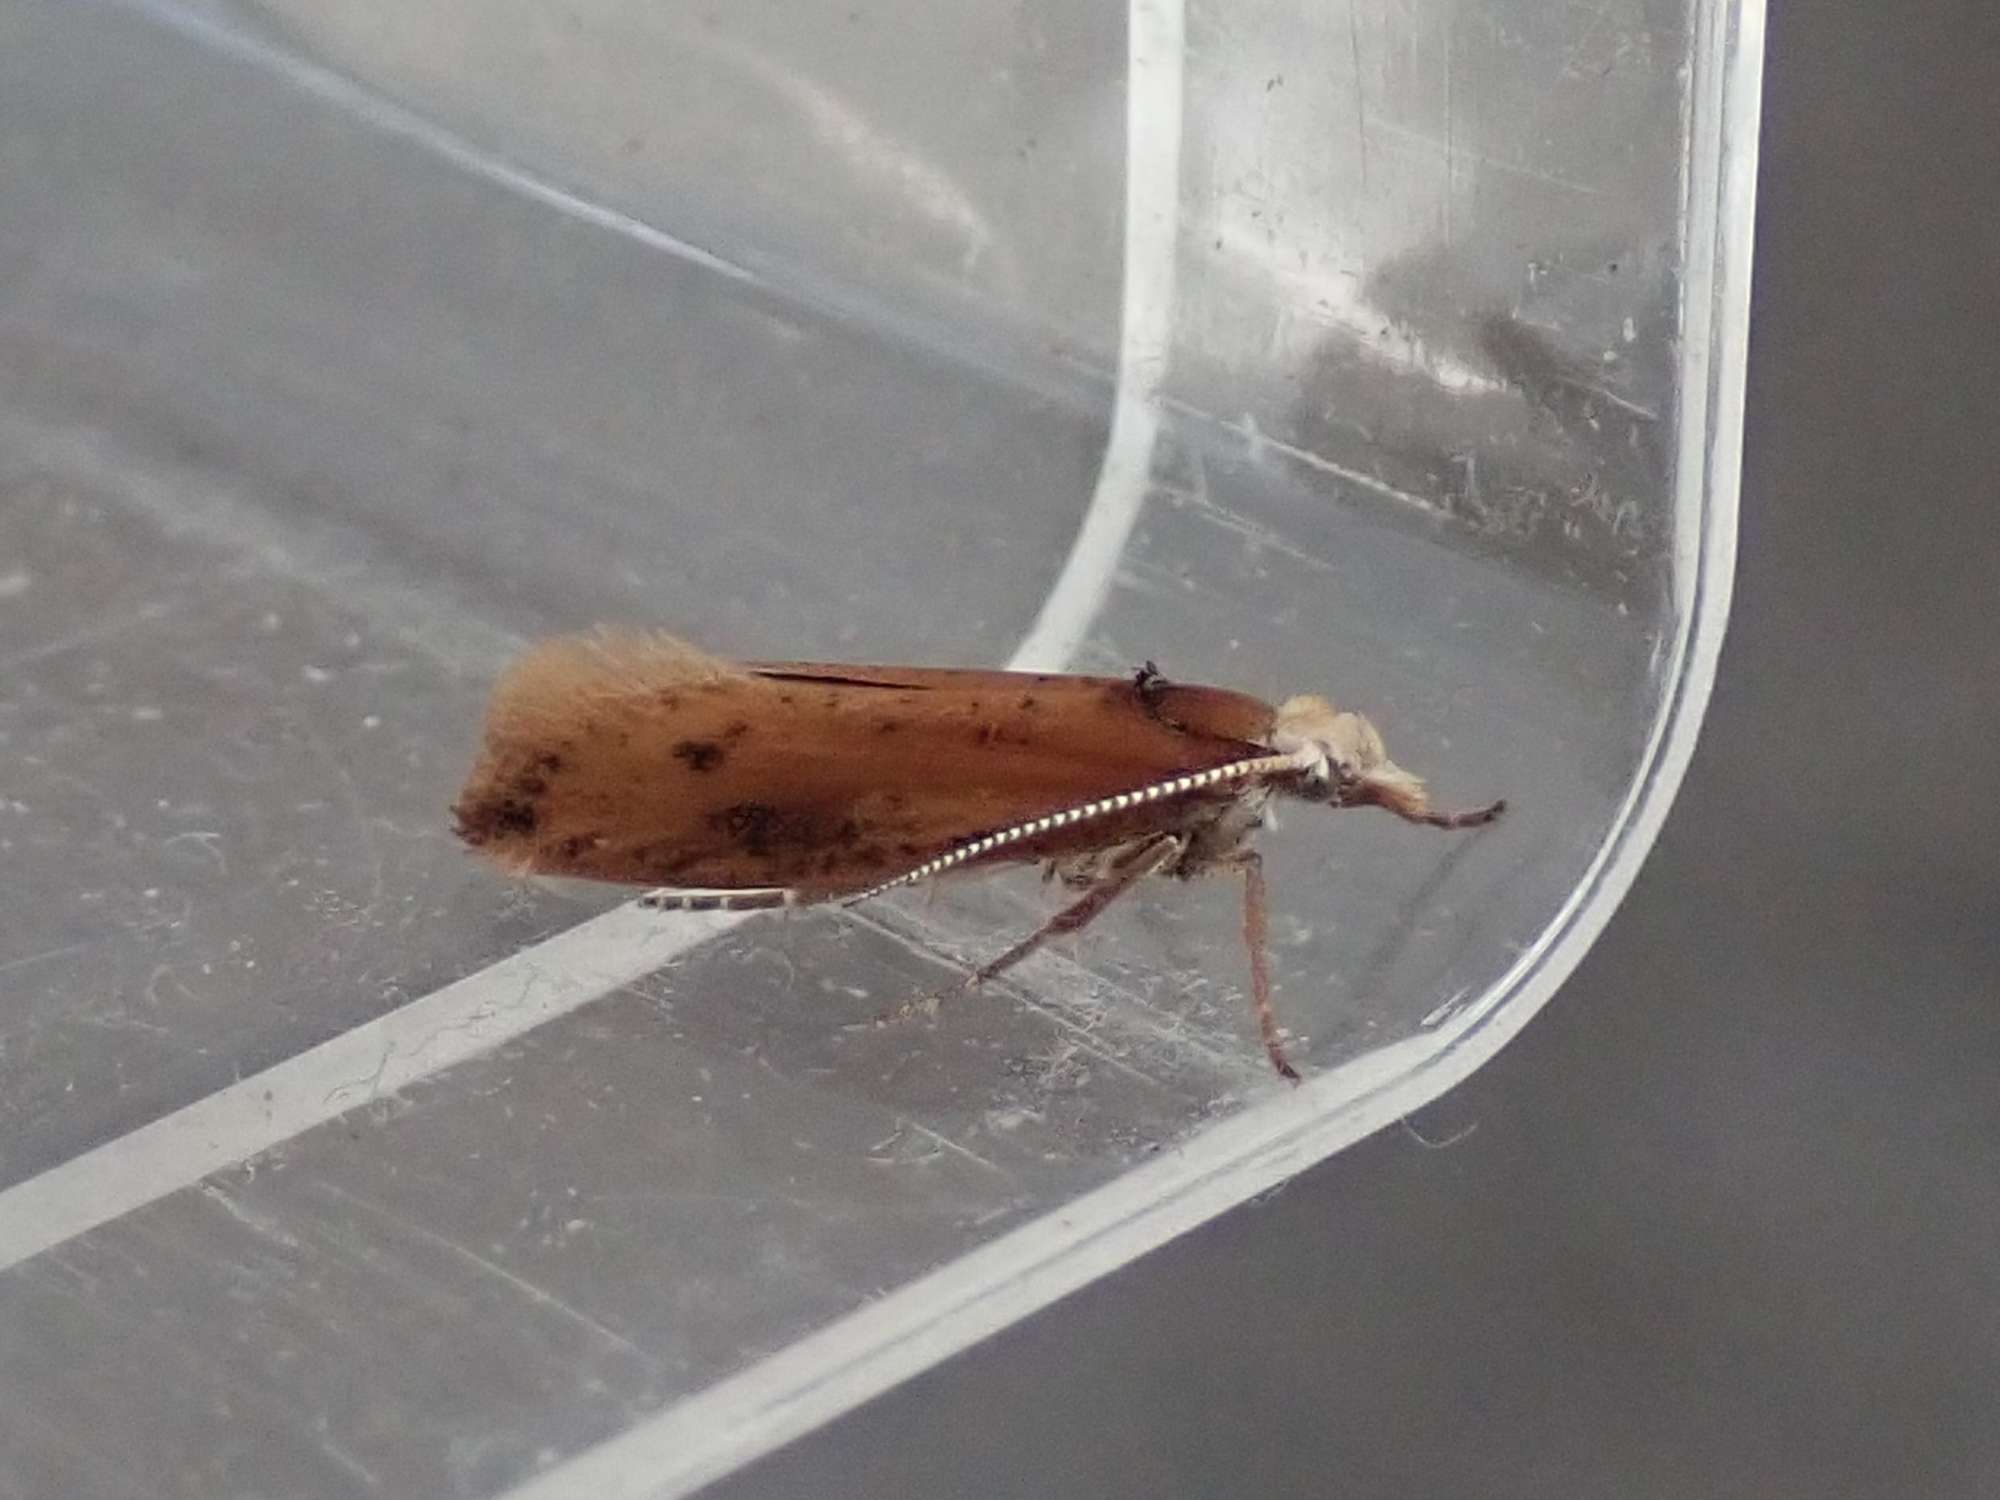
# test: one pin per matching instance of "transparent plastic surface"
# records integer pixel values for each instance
(1388, 350)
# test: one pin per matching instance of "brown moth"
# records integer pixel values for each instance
(638, 758)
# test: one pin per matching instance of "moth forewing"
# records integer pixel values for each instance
(638, 758)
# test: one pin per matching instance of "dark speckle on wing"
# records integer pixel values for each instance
(700, 755)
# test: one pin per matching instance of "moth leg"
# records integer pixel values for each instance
(1154, 854)
(1256, 937)
(1143, 861)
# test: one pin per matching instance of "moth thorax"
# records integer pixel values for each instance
(1228, 831)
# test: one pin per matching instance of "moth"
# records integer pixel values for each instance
(638, 758)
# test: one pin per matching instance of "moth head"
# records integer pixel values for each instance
(1346, 762)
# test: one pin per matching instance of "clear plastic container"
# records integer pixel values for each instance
(1386, 350)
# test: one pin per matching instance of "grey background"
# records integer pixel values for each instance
(1726, 1220)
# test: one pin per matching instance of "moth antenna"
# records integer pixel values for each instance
(760, 898)
(1256, 768)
